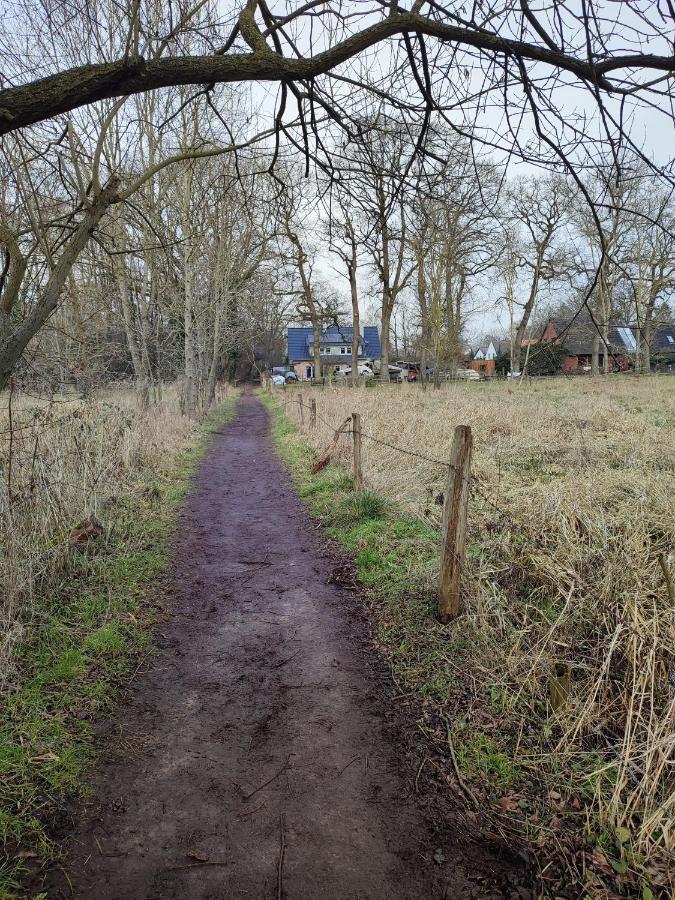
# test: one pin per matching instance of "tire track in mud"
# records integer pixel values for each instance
(259, 755)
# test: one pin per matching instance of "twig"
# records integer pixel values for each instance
(419, 772)
(282, 853)
(344, 769)
(467, 790)
(196, 865)
(247, 797)
(287, 660)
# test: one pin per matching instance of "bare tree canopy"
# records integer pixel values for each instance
(534, 46)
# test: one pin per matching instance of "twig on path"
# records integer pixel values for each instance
(467, 790)
(247, 797)
(258, 565)
(287, 660)
(282, 853)
(196, 865)
(249, 812)
(419, 772)
(66, 876)
(347, 766)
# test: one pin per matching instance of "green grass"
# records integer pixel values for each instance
(83, 646)
(365, 505)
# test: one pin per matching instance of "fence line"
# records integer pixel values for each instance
(454, 552)
(458, 488)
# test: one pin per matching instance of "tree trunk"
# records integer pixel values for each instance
(189, 349)
(13, 343)
(210, 391)
(356, 325)
(384, 341)
(121, 274)
(595, 355)
(316, 332)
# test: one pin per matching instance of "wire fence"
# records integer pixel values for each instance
(442, 463)
(458, 552)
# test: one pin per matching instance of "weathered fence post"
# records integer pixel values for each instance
(358, 472)
(453, 544)
(302, 410)
(312, 413)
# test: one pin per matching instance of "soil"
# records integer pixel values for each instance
(260, 754)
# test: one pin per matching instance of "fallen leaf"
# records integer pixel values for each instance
(508, 804)
(600, 860)
(439, 856)
(45, 757)
(198, 855)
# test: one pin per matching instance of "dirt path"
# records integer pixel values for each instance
(259, 754)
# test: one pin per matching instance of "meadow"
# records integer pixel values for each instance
(557, 683)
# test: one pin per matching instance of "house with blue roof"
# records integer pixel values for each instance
(335, 349)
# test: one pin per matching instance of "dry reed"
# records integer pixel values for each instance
(568, 575)
(64, 460)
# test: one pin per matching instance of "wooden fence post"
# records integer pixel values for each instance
(358, 472)
(302, 410)
(312, 413)
(453, 544)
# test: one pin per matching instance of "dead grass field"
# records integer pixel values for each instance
(67, 459)
(570, 523)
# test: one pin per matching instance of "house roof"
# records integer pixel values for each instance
(300, 340)
(664, 340)
(577, 335)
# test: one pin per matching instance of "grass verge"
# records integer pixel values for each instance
(90, 637)
(503, 736)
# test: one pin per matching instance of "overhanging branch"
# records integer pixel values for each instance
(60, 93)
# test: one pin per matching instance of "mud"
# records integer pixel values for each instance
(260, 754)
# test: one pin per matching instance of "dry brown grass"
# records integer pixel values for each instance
(69, 459)
(571, 574)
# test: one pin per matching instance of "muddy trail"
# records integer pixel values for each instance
(259, 754)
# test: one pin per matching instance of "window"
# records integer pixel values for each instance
(345, 350)
(627, 337)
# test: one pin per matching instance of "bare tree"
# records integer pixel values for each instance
(539, 206)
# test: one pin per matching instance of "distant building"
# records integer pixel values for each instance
(578, 336)
(335, 349)
(483, 359)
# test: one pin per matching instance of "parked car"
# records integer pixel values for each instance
(290, 376)
(279, 380)
(364, 370)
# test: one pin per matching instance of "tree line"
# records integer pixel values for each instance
(159, 222)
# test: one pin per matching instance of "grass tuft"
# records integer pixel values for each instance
(365, 505)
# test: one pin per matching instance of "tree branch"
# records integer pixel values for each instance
(47, 97)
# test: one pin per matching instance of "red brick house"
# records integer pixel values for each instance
(578, 336)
